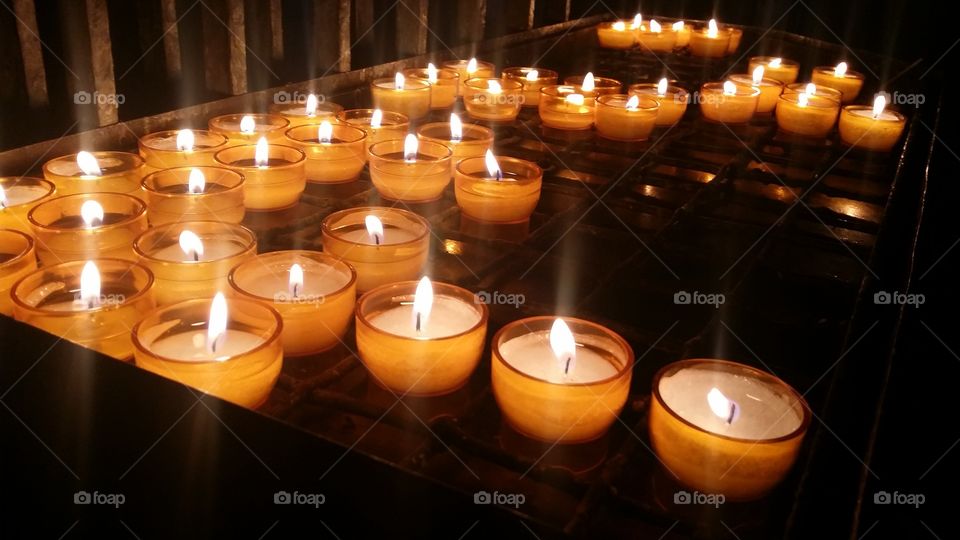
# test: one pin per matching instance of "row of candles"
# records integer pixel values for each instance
(144, 256)
(711, 41)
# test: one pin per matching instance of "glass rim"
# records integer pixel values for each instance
(137, 163)
(128, 300)
(440, 289)
(284, 147)
(850, 108)
(715, 86)
(467, 126)
(559, 90)
(150, 138)
(815, 101)
(390, 83)
(273, 126)
(598, 81)
(764, 60)
(240, 180)
(447, 151)
(18, 257)
(250, 243)
(671, 89)
(745, 79)
(335, 127)
(461, 62)
(505, 84)
(398, 119)
(318, 256)
(139, 205)
(829, 70)
(325, 227)
(327, 106)
(501, 160)
(606, 98)
(14, 181)
(421, 73)
(520, 72)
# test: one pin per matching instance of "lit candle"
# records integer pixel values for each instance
(314, 293)
(199, 344)
(408, 170)
(710, 42)
(493, 100)
(736, 35)
(770, 89)
(86, 226)
(243, 129)
(17, 259)
(468, 69)
(626, 118)
(683, 33)
(411, 98)
(504, 190)
(95, 172)
(470, 140)
(871, 128)
(728, 103)
(335, 152)
(532, 79)
(614, 35)
(813, 90)
(781, 69)
(420, 338)
(560, 380)
(18, 196)
(194, 194)
(443, 84)
(597, 85)
(91, 303)
(311, 110)
(384, 245)
(806, 114)
(672, 99)
(180, 148)
(567, 107)
(727, 428)
(655, 38)
(274, 174)
(841, 78)
(193, 259)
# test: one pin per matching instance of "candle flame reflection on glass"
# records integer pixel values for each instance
(325, 132)
(248, 124)
(712, 29)
(494, 87)
(492, 166)
(217, 324)
(3, 198)
(574, 99)
(723, 407)
(196, 182)
(295, 283)
(90, 286)
(588, 82)
(398, 81)
(422, 304)
(456, 128)
(376, 118)
(840, 70)
(775, 63)
(311, 106)
(662, 87)
(191, 245)
(879, 104)
(185, 140)
(410, 147)
(633, 103)
(92, 214)
(803, 99)
(374, 229)
(564, 346)
(88, 164)
(432, 73)
(262, 154)
(758, 75)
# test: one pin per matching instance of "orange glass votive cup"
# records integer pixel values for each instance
(718, 106)
(601, 85)
(269, 126)
(531, 88)
(475, 140)
(673, 103)
(559, 113)
(277, 185)
(610, 37)
(121, 172)
(18, 258)
(859, 128)
(484, 69)
(168, 196)
(615, 121)
(413, 100)
(296, 112)
(484, 103)
(815, 119)
(392, 126)
(443, 91)
(20, 196)
(420, 180)
(485, 198)
(786, 71)
(703, 45)
(770, 90)
(334, 162)
(822, 91)
(849, 85)
(159, 149)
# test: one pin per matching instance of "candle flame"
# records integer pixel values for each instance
(262, 154)
(311, 106)
(325, 132)
(399, 80)
(619, 26)
(637, 21)
(655, 26)
(295, 283)
(588, 82)
(678, 26)
(563, 344)
(662, 87)
(92, 213)
(374, 229)
(775, 63)
(712, 29)
(247, 124)
(633, 103)
(3, 198)
(533, 75)
(729, 89)
(410, 147)
(879, 104)
(803, 99)
(432, 73)
(88, 164)
(376, 118)
(472, 66)
(191, 245)
(185, 140)
(422, 303)
(456, 128)
(840, 70)
(758, 74)
(494, 87)
(217, 324)
(90, 285)
(725, 408)
(196, 183)
(811, 89)
(493, 168)
(574, 99)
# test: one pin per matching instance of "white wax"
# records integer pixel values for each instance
(449, 316)
(192, 346)
(764, 413)
(885, 115)
(318, 279)
(235, 126)
(67, 167)
(301, 110)
(201, 140)
(37, 296)
(391, 235)
(22, 194)
(531, 354)
(213, 250)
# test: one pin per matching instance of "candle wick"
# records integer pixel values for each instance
(196, 256)
(418, 323)
(91, 303)
(733, 411)
(499, 175)
(376, 239)
(95, 222)
(566, 369)
(296, 290)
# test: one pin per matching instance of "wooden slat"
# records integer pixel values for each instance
(101, 61)
(411, 27)
(171, 38)
(344, 21)
(224, 46)
(276, 29)
(31, 52)
(471, 20)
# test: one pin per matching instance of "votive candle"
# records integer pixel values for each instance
(20, 195)
(468, 69)
(96, 172)
(672, 99)
(18, 258)
(194, 194)
(408, 97)
(532, 79)
(803, 114)
(335, 152)
(405, 170)
(869, 128)
(567, 107)
(839, 77)
(626, 118)
(728, 103)
(492, 99)
(443, 84)
(497, 189)
(775, 67)
(274, 176)
(180, 148)
(241, 129)
(312, 110)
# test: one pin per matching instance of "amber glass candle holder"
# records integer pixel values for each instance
(546, 406)
(742, 456)
(656, 42)
(159, 149)
(418, 180)
(296, 112)
(509, 198)
(436, 361)
(120, 172)
(19, 196)
(736, 35)
(559, 112)
(673, 102)
(413, 100)
(172, 342)
(169, 198)
(704, 45)
(269, 126)
(621, 123)
(399, 256)
(822, 91)
(849, 84)
(483, 70)
(531, 83)
(62, 235)
(275, 186)
(770, 90)
(737, 108)
(616, 35)
(475, 140)
(18, 258)
(317, 312)
(392, 125)
(601, 85)
(179, 276)
(814, 119)
(492, 99)
(861, 129)
(50, 300)
(339, 160)
(443, 91)
(785, 71)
